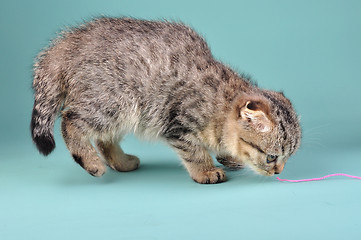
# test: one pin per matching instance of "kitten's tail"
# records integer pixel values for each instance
(48, 102)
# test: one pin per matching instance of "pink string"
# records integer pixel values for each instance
(317, 179)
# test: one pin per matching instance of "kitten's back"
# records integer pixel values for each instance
(134, 67)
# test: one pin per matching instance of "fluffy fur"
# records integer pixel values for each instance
(159, 80)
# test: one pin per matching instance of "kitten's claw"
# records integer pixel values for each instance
(216, 175)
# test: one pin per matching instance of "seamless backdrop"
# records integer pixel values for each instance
(311, 50)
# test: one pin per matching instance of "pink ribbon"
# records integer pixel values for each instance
(317, 179)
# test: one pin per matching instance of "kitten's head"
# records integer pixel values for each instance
(262, 131)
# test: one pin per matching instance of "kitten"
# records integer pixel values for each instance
(159, 80)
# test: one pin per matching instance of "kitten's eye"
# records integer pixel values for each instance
(271, 158)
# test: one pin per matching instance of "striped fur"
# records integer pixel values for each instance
(158, 80)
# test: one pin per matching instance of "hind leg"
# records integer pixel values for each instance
(116, 158)
(81, 148)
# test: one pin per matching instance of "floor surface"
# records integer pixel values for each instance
(54, 198)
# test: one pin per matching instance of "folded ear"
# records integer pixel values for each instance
(255, 115)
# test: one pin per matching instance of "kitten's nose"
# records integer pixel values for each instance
(279, 168)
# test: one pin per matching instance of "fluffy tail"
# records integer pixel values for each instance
(47, 104)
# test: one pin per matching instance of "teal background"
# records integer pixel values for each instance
(309, 49)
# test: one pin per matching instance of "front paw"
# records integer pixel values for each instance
(215, 175)
(230, 162)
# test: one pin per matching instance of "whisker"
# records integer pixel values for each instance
(306, 131)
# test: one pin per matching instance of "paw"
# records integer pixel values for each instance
(230, 163)
(215, 175)
(94, 167)
(96, 171)
(126, 164)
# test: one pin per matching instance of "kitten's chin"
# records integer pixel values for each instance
(268, 174)
(261, 171)
(264, 173)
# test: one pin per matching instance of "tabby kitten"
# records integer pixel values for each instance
(159, 80)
